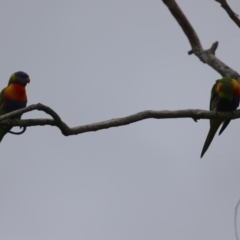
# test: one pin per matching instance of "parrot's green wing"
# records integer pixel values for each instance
(214, 97)
(213, 102)
(214, 123)
(234, 104)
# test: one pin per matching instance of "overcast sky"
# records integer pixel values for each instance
(94, 60)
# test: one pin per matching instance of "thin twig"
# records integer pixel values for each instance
(229, 11)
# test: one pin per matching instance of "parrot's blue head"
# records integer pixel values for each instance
(20, 78)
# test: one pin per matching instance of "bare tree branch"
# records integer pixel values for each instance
(206, 56)
(35, 122)
(229, 11)
(67, 131)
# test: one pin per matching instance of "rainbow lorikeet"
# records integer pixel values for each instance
(13, 97)
(225, 97)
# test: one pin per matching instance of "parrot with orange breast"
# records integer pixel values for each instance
(13, 97)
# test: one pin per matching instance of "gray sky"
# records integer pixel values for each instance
(95, 60)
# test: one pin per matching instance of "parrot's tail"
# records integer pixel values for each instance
(225, 124)
(213, 129)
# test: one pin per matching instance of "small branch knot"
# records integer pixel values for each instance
(212, 49)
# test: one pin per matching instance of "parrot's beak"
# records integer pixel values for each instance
(27, 80)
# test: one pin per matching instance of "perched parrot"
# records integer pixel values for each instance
(13, 97)
(225, 97)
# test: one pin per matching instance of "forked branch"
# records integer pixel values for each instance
(206, 56)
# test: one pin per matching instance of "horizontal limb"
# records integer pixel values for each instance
(116, 122)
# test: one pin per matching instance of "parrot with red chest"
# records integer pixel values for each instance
(13, 97)
(225, 97)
